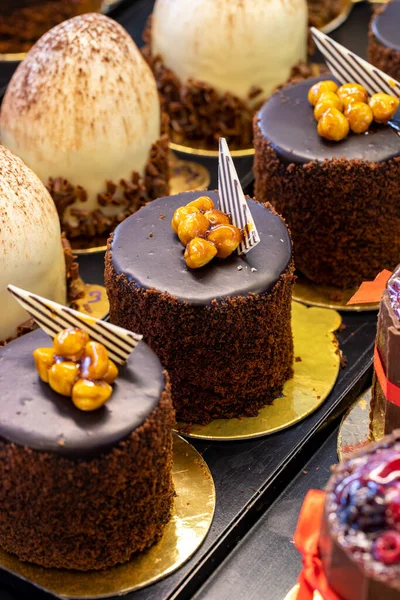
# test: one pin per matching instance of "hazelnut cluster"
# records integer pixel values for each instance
(341, 109)
(79, 367)
(205, 231)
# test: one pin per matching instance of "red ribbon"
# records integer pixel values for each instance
(312, 578)
(390, 390)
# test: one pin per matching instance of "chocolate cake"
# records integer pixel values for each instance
(385, 414)
(83, 490)
(322, 12)
(359, 542)
(384, 39)
(340, 199)
(222, 331)
(22, 22)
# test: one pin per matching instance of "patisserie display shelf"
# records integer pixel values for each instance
(266, 560)
(250, 475)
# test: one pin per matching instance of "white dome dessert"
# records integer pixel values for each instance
(83, 106)
(31, 253)
(231, 45)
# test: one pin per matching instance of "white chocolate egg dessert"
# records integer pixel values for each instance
(31, 251)
(228, 53)
(82, 111)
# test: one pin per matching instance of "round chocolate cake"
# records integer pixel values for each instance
(360, 536)
(223, 331)
(340, 199)
(83, 490)
(384, 39)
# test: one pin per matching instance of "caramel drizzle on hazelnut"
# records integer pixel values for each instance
(77, 367)
(339, 110)
(205, 232)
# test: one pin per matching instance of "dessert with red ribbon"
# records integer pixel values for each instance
(384, 39)
(350, 536)
(385, 401)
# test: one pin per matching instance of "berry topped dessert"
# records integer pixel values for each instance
(359, 542)
(82, 110)
(220, 325)
(331, 193)
(385, 400)
(384, 39)
(210, 82)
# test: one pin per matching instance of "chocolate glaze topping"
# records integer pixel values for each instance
(147, 251)
(286, 120)
(33, 415)
(385, 26)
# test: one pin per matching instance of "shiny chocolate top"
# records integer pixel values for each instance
(148, 252)
(33, 415)
(385, 26)
(287, 121)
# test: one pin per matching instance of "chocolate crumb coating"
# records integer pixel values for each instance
(352, 572)
(341, 201)
(228, 356)
(87, 512)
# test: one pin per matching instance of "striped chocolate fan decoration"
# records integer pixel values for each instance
(232, 200)
(347, 67)
(53, 318)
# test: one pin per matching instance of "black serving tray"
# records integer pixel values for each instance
(249, 475)
(266, 563)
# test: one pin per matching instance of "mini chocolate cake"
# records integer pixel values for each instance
(340, 199)
(222, 331)
(22, 22)
(83, 490)
(384, 414)
(384, 39)
(360, 535)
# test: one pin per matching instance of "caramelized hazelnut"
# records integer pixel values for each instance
(319, 88)
(181, 213)
(216, 217)
(327, 100)
(383, 107)
(352, 92)
(333, 125)
(226, 238)
(112, 372)
(90, 395)
(95, 361)
(359, 116)
(44, 359)
(199, 252)
(62, 377)
(192, 226)
(203, 203)
(70, 343)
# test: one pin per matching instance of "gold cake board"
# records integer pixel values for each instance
(354, 428)
(94, 302)
(316, 367)
(191, 519)
(325, 296)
